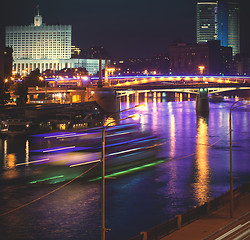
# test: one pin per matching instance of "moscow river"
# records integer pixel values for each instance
(196, 154)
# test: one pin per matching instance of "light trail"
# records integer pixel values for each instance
(84, 163)
(31, 162)
(58, 149)
(129, 170)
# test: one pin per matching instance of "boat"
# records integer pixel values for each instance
(216, 98)
(15, 126)
(125, 147)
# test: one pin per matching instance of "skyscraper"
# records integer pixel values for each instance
(207, 22)
(223, 23)
(219, 21)
(234, 25)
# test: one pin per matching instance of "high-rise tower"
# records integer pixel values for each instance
(234, 25)
(219, 20)
(206, 21)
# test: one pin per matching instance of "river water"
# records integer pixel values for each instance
(196, 153)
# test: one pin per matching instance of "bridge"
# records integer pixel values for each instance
(76, 89)
(126, 85)
(201, 86)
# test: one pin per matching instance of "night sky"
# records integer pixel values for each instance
(131, 28)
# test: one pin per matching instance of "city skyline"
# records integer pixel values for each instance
(126, 30)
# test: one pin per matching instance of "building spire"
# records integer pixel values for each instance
(38, 13)
(38, 21)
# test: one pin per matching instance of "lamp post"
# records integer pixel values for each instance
(45, 87)
(105, 125)
(231, 153)
(201, 69)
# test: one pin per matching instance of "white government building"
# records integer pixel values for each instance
(44, 47)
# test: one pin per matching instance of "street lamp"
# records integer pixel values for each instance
(105, 125)
(231, 153)
(201, 68)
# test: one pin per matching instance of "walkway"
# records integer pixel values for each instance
(206, 227)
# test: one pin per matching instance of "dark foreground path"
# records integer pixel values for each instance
(219, 225)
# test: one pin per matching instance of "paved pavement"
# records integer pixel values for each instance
(214, 225)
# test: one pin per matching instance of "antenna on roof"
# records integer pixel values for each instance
(37, 9)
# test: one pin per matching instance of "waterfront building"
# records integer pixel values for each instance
(44, 47)
(186, 59)
(219, 20)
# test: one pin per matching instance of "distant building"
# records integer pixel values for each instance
(157, 64)
(219, 20)
(98, 52)
(5, 62)
(243, 66)
(44, 47)
(185, 59)
(234, 26)
(78, 52)
(207, 21)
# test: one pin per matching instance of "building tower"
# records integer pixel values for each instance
(38, 45)
(234, 25)
(223, 23)
(219, 21)
(206, 21)
(44, 47)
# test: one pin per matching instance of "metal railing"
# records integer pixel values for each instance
(159, 231)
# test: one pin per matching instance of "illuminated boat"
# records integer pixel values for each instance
(124, 152)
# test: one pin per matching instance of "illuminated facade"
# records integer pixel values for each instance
(207, 22)
(219, 20)
(44, 47)
(25, 66)
(39, 41)
(234, 26)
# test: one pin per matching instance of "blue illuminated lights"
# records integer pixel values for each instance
(151, 76)
(173, 77)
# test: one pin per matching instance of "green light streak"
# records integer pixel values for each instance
(46, 179)
(128, 171)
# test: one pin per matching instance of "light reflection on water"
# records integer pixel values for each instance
(193, 173)
(201, 184)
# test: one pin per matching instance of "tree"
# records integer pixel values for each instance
(20, 91)
(32, 79)
(4, 95)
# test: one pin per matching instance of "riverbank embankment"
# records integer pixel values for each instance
(204, 222)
